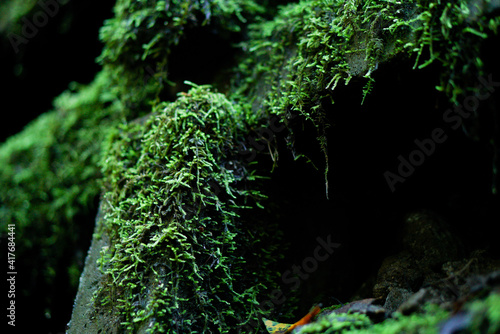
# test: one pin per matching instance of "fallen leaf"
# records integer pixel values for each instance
(274, 327)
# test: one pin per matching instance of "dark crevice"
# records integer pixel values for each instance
(363, 214)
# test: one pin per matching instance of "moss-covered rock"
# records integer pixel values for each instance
(180, 247)
(180, 255)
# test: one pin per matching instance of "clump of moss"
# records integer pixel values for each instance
(180, 248)
(311, 46)
(49, 178)
(140, 37)
(318, 44)
(337, 323)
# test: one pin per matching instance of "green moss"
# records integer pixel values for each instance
(337, 323)
(319, 44)
(175, 187)
(50, 178)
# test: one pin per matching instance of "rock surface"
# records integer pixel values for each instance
(86, 318)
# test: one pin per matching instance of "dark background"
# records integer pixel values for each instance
(64, 50)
